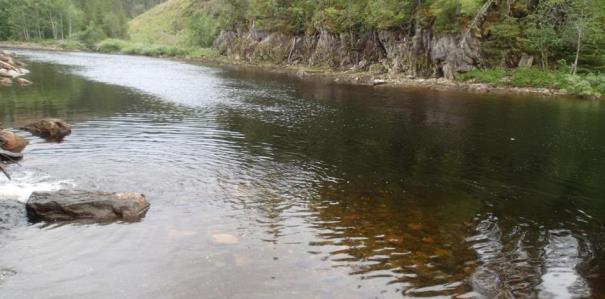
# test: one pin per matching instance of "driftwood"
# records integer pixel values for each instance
(11, 69)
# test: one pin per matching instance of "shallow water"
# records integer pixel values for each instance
(263, 185)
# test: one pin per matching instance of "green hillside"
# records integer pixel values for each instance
(171, 23)
(163, 24)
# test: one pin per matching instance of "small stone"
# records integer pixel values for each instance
(224, 239)
(377, 82)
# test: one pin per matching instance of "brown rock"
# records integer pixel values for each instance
(50, 129)
(89, 206)
(12, 142)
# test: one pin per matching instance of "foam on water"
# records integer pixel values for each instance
(24, 183)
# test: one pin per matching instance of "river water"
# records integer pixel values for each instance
(264, 185)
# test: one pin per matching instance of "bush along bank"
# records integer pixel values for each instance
(588, 85)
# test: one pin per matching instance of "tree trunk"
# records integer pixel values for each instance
(61, 24)
(53, 26)
(574, 67)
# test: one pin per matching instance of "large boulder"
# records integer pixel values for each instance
(89, 206)
(12, 142)
(51, 129)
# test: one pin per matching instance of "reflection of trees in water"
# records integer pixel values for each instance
(57, 93)
(522, 259)
(410, 169)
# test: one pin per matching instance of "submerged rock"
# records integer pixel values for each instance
(224, 239)
(90, 206)
(51, 129)
(12, 214)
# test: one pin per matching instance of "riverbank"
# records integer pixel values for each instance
(477, 81)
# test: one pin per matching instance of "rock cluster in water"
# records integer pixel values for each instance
(11, 70)
(12, 145)
(68, 205)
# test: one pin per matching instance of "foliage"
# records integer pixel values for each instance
(110, 45)
(552, 31)
(89, 20)
(163, 24)
(587, 85)
(492, 76)
(126, 47)
(201, 30)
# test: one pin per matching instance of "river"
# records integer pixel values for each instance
(264, 185)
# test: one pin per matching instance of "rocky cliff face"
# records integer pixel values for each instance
(413, 54)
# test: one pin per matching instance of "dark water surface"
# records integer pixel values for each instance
(267, 186)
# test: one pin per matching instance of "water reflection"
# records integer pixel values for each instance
(358, 192)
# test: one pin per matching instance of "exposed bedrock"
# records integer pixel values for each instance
(420, 53)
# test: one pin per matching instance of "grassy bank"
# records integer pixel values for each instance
(134, 48)
(117, 46)
(585, 85)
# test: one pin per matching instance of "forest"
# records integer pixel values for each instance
(85, 20)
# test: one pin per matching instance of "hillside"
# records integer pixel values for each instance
(163, 24)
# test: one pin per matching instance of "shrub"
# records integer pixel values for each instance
(492, 76)
(531, 77)
(110, 45)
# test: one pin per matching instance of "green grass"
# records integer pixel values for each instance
(586, 85)
(163, 24)
(491, 76)
(135, 48)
